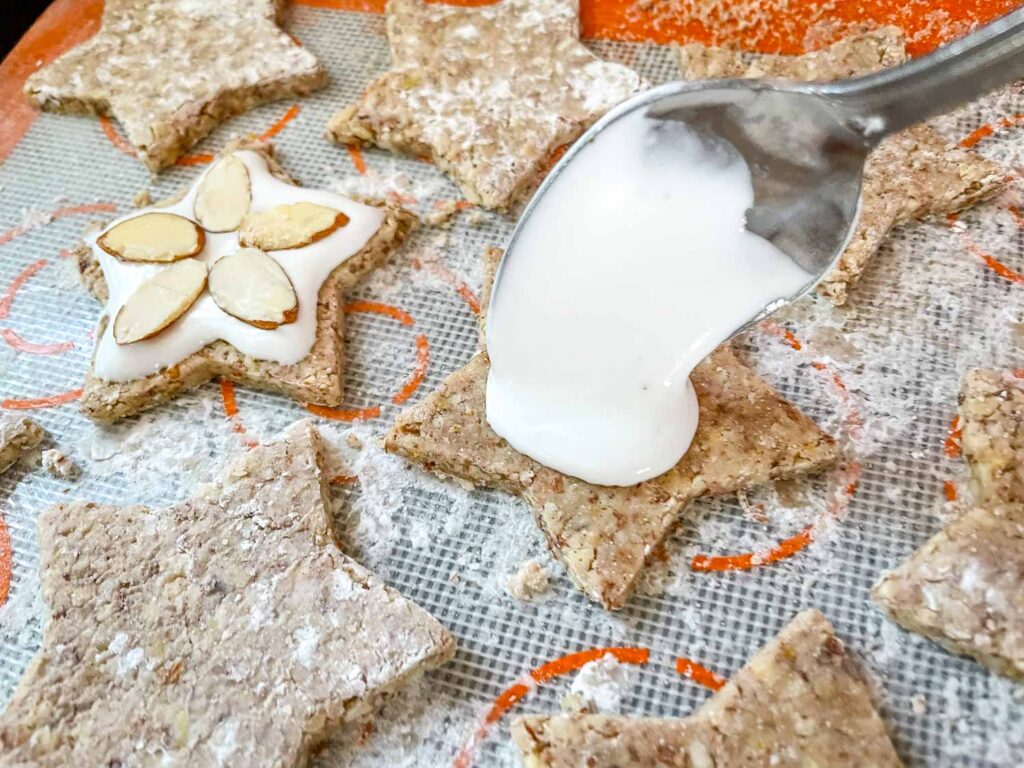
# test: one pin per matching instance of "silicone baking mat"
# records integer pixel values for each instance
(929, 308)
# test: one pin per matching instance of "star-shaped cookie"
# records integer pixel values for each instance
(964, 588)
(912, 174)
(798, 702)
(488, 94)
(18, 435)
(225, 630)
(170, 70)
(209, 339)
(603, 535)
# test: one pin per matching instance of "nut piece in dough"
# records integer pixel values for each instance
(159, 301)
(224, 196)
(293, 225)
(252, 287)
(153, 237)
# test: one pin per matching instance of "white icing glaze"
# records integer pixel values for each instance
(205, 322)
(634, 266)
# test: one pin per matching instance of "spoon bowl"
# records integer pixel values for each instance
(805, 144)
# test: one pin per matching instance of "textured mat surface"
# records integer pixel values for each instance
(929, 308)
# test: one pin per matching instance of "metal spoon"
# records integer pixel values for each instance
(806, 143)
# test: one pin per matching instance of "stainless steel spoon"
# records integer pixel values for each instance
(806, 143)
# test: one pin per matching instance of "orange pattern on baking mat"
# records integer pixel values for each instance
(358, 161)
(544, 673)
(27, 404)
(227, 396)
(563, 665)
(769, 26)
(838, 502)
(699, 674)
(54, 215)
(6, 561)
(1003, 271)
(461, 288)
(21, 345)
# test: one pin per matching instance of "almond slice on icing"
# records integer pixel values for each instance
(153, 237)
(252, 287)
(160, 301)
(224, 196)
(292, 225)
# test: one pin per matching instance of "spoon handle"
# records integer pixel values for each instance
(891, 100)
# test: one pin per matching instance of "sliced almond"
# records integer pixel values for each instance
(289, 226)
(251, 286)
(224, 195)
(160, 301)
(153, 237)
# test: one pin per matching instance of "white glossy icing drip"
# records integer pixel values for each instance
(306, 267)
(633, 268)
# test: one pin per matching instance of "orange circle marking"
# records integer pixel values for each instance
(411, 385)
(954, 437)
(516, 692)
(989, 129)
(461, 288)
(838, 503)
(699, 674)
(20, 344)
(344, 414)
(418, 373)
(276, 128)
(227, 396)
(6, 561)
(12, 290)
(59, 213)
(378, 308)
(17, 404)
(358, 161)
(986, 258)
(949, 490)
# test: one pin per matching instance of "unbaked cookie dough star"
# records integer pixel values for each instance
(964, 588)
(747, 435)
(800, 701)
(912, 174)
(209, 339)
(170, 70)
(225, 630)
(488, 94)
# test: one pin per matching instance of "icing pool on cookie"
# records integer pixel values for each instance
(204, 322)
(632, 269)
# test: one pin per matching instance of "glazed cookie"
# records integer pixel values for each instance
(241, 277)
(912, 174)
(747, 435)
(171, 70)
(798, 702)
(488, 94)
(227, 629)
